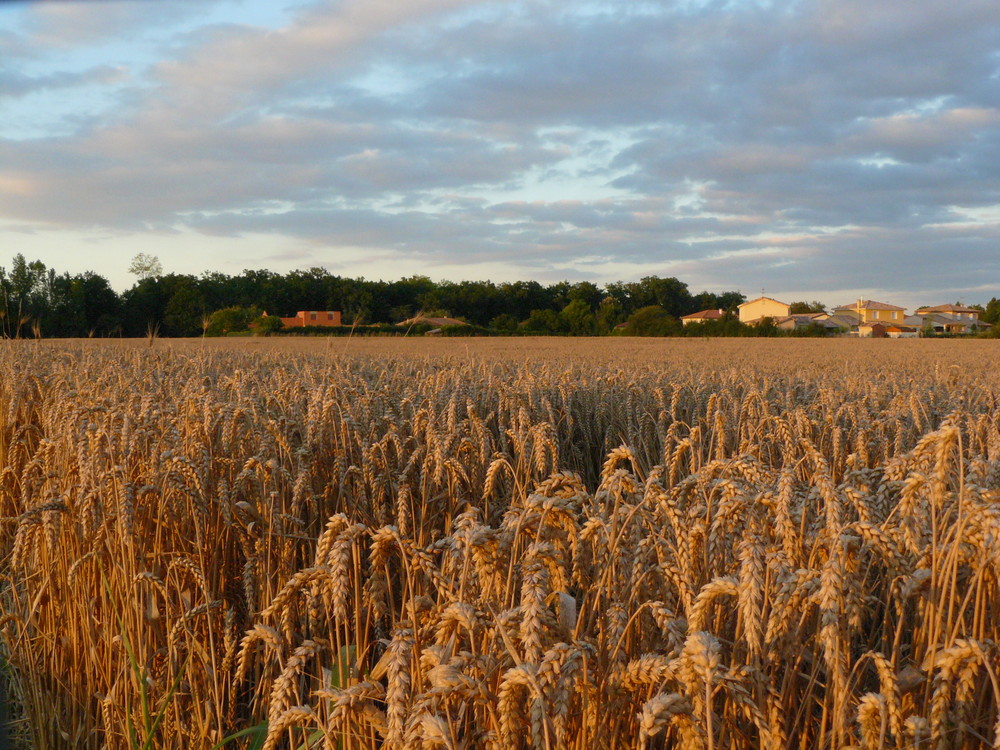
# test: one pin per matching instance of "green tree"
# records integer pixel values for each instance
(98, 305)
(652, 320)
(765, 327)
(145, 267)
(671, 294)
(521, 297)
(609, 314)
(729, 301)
(143, 306)
(265, 325)
(27, 283)
(4, 302)
(620, 292)
(578, 318)
(728, 325)
(587, 292)
(804, 308)
(992, 311)
(234, 319)
(544, 321)
(185, 309)
(505, 323)
(29, 295)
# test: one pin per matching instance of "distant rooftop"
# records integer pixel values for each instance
(770, 299)
(704, 315)
(947, 309)
(868, 305)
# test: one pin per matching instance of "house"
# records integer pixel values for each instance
(933, 323)
(844, 322)
(805, 320)
(870, 311)
(872, 330)
(763, 307)
(702, 316)
(959, 312)
(955, 319)
(944, 323)
(901, 332)
(305, 318)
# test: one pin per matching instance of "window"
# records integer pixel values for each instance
(329, 316)
(895, 314)
(312, 316)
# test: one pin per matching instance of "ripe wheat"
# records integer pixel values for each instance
(436, 544)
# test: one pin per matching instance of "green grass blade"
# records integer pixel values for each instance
(258, 731)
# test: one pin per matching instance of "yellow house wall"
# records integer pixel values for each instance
(762, 308)
(879, 316)
(883, 316)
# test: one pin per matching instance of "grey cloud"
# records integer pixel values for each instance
(915, 138)
(136, 175)
(232, 66)
(726, 133)
(65, 24)
(15, 47)
(16, 84)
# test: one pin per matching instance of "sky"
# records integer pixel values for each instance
(812, 149)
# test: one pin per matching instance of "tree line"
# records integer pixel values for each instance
(39, 301)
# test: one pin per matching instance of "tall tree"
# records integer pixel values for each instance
(992, 313)
(671, 294)
(145, 267)
(578, 318)
(802, 308)
(185, 308)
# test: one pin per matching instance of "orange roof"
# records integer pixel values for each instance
(947, 308)
(772, 299)
(704, 315)
(868, 305)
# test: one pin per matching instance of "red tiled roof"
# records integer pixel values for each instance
(772, 299)
(869, 305)
(704, 315)
(947, 308)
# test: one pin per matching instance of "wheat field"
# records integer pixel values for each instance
(526, 543)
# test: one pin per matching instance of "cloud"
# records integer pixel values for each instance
(911, 136)
(737, 143)
(233, 65)
(16, 84)
(64, 24)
